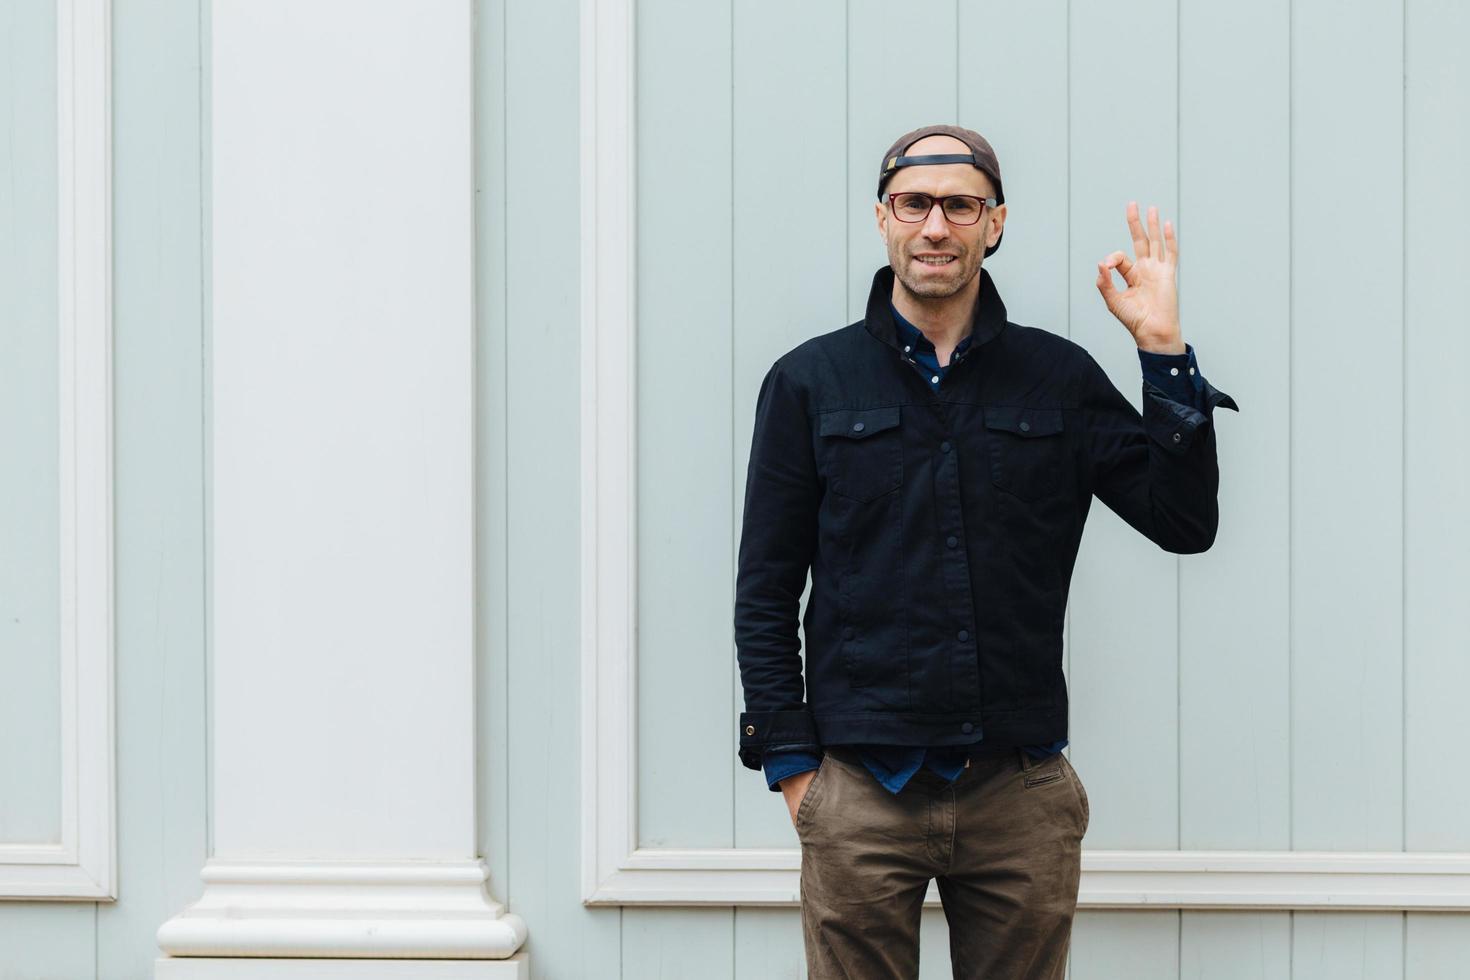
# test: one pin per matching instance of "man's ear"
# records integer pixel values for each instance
(879, 215)
(999, 212)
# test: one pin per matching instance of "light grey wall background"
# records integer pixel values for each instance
(158, 270)
(1297, 687)
(30, 593)
(1288, 690)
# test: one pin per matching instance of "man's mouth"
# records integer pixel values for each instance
(938, 261)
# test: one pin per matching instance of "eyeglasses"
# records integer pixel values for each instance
(959, 209)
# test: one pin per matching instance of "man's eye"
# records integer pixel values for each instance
(959, 207)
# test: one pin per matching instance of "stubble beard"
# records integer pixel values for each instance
(930, 287)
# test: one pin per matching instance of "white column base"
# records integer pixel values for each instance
(251, 968)
(389, 910)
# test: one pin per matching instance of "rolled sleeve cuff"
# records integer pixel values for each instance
(763, 731)
(1177, 375)
(780, 765)
(1177, 400)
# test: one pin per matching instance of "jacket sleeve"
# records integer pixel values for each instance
(1158, 471)
(777, 539)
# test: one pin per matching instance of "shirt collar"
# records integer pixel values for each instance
(911, 336)
(989, 318)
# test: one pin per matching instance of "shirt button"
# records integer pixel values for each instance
(1191, 370)
(847, 633)
(951, 540)
(907, 348)
(1025, 426)
(964, 635)
(1176, 437)
(1173, 370)
(857, 427)
(944, 446)
(967, 728)
(935, 379)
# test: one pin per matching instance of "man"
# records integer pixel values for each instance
(932, 466)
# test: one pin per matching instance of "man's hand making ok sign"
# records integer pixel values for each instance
(1149, 307)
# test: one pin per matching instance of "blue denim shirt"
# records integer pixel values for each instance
(892, 765)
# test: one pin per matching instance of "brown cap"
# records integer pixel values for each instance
(981, 156)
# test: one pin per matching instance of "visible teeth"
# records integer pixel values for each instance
(934, 261)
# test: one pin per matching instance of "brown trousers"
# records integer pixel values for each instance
(1004, 841)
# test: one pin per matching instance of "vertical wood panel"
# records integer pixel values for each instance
(1437, 420)
(768, 945)
(42, 940)
(1347, 946)
(673, 942)
(30, 434)
(1235, 945)
(1234, 287)
(161, 350)
(790, 272)
(900, 73)
(1436, 945)
(684, 403)
(1013, 91)
(1347, 425)
(543, 492)
(1437, 487)
(1124, 599)
(1110, 945)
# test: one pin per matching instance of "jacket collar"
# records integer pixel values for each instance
(989, 319)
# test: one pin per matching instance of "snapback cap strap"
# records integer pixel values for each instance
(896, 162)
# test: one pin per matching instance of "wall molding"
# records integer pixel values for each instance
(615, 870)
(83, 866)
(1242, 880)
(607, 441)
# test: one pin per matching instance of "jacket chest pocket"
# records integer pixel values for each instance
(864, 451)
(1027, 453)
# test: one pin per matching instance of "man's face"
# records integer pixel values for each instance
(954, 252)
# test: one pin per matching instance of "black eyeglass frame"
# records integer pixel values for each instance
(984, 203)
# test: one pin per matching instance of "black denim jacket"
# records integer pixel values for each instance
(941, 528)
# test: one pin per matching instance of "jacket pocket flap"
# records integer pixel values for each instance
(1024, 421)
(858, 423)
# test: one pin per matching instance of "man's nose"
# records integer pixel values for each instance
(935, 225)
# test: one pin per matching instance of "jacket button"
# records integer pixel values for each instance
(750, 729)
(1176, 437)
(944, 446)
(847, 633)
(964, 635)
(967, 728)
(857, 427)
(951, 540)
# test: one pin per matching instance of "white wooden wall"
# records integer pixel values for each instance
(1296, 688)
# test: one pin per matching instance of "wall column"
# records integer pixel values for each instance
(342, 712)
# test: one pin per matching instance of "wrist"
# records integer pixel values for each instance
(1175, 346)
